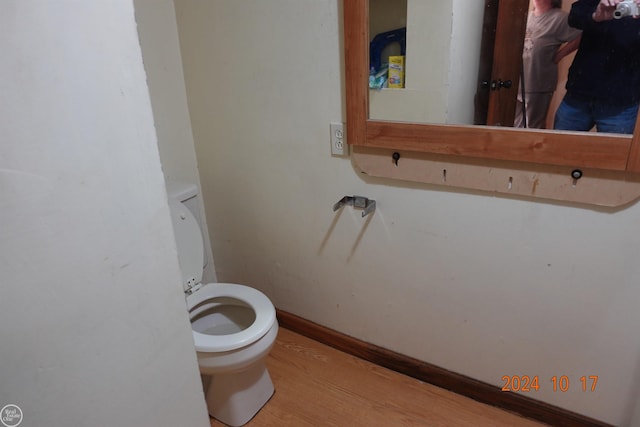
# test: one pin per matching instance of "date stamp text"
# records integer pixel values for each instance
(557, 383)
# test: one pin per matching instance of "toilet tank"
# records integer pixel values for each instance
(187, 194)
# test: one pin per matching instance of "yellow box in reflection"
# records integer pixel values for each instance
(396, 71)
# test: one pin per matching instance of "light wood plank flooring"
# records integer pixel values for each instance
(317, 385)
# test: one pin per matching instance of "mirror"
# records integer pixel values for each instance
(574, 149)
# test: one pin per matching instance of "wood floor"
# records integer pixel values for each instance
(317, 385)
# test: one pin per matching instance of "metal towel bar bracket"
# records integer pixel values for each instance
(357, 202)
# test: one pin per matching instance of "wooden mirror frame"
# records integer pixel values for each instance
(574, 149)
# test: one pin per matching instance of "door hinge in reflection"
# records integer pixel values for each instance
(496, 84)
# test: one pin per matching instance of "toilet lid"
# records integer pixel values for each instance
(188, 243)
(259, 303)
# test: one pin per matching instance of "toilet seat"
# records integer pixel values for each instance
(259, 303)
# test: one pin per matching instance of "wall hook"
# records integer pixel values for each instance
(357, 202)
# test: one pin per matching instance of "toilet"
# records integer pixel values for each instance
(234, 326)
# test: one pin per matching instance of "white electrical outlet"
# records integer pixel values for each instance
(338, 140)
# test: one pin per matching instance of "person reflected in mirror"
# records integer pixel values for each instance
(603, 86)
(548, 39)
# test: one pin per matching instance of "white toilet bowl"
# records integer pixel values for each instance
(234, 327)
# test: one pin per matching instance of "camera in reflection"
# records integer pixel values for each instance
(626, 8)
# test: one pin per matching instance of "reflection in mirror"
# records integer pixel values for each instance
(442, 59)
(548, 40)
(451, 73)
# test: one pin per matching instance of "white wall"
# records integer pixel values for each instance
(482, 285)
(158, 34)
(93, 323)
(466, 36)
